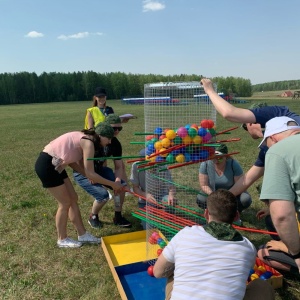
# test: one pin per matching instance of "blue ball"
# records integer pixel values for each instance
(158, 130)
(202, 131)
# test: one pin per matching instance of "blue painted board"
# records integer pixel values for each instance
(138, 284)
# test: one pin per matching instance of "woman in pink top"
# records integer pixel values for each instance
(72, 149)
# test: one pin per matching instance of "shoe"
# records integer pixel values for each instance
(68, 243)
(122, 222)
(88, 238)
(95, 222)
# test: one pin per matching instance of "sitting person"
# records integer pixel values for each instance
(211, 261)
(221, 173)
(157, 190)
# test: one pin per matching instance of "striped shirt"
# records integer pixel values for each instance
(208, 268)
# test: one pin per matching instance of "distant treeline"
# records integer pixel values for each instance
(277, 86)
(25, 87)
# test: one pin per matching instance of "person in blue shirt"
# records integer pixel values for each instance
(254, 120)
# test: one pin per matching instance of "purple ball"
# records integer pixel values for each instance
(182, 132)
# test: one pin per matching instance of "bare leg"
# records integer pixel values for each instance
(97, 206)
(67, 206)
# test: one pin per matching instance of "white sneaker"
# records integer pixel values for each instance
(68, 243)
(88, 238)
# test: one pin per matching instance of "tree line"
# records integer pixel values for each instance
(25, 87)
(277, 86)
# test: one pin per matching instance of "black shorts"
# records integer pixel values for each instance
(47, 173)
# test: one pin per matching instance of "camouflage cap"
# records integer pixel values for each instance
(222, 149)
(104, 129)
(113, 119)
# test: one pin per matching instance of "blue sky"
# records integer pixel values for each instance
(257, 39)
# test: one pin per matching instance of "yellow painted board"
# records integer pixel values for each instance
(126, 248)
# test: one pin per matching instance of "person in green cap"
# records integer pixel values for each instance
(221, 173)
(98, 191)
(254, 120)
(73, 149)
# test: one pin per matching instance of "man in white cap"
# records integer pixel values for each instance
(281, 188)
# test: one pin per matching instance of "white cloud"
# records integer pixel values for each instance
(149, 5)
(79, 35)
(34, 34)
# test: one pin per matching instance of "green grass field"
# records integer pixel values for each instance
(32, 267)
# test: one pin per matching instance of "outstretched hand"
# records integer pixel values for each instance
(207, 84)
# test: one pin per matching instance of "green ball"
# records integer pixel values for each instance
(192, 132)
(177, 140)
(212, 131)
(170, 158)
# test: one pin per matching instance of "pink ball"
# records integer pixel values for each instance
(207, 137)
(182, 132)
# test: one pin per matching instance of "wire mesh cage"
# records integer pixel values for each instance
(179, 134)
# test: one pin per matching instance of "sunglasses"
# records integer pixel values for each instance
(117, 128)
(245, 126)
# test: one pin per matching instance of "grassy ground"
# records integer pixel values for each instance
(32, 267)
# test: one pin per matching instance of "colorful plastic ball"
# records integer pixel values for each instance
(212, 131)
(254, 276)
(149, 137)
(154, 140)
(202, 131)
(162, 244)
(159, 159)
(150, 271)
(180, 158)
(203, 154)
(182, 132)
(155, 234)
(158, 145)
(251, 272)
(170, 158)
(195, 157)
(187, 157)
(261, 268)
(161, 151)
(167, 129)
(207, 123)
(192, 132)
(187, 140)
(158, 130)
(171, 134)
(149, 152)
(177, 140)
(163, 136)
(195, 126)
(159, 251)
(197, 140)
(166, 142)
(207, 137)
(187, 126)
(152, 241)
(159, 240)
(268, 274)
(176, 152)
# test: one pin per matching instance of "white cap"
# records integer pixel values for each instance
(277, 125)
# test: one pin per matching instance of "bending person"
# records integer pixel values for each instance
(98, 191)
(72, 149)
(221, 173)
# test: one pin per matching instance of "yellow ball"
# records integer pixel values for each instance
(180, 158)
(254, 276)
(197, 139)
(152, 159)
(165, 154)
(171, 134)
(158, 145)
(166, 143)
(187, 140)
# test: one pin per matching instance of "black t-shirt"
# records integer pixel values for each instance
(113, 149)
(107, 110)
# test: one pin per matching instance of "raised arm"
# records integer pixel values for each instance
(247, 179)
(225, 109)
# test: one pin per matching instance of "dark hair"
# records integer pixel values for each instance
(95, 138)
(222, 206)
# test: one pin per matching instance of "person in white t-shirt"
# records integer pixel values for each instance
(213, 261)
